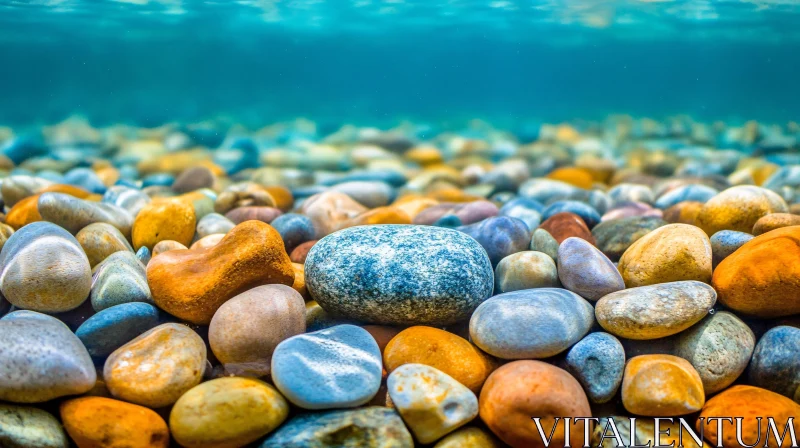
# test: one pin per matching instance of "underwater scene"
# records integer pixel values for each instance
(399, 223)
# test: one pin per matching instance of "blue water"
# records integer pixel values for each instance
(377, 63)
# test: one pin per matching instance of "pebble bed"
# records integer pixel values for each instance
(210, 286)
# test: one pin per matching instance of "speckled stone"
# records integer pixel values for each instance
(174, 358)
(661, 386)
(213, 223)
(718, 347)
(351, 428)
(246, 329)
(294, 229)
(430, 402)
(543, 242)
(227, 412)
(588, 214)
(584, 270)
(41, 359)
(113, 327)
(469, 437)
(655, 311)
(525, 270)
(530, 324)
(339, 367)
(775, 363)
(119, 279)
(725, 242)
(74, 214)
(403, 275)
(500, 236)
(616, 236)
(688, 192)
(99, 240)
(30, 427)
(43, 268)
(597, 362)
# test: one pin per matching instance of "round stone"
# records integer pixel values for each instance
(329, 210)
(367, 193)
(113, 327)
(130, 199)
(719, 348)
(614, 237)
(227, 412)
(100, 421)
(174, 358)
(661, 386)
(524, 209)
(761, 278)
(399, 275)
(294, 230)
(597, 362)
(213, 223)
(99, 240)
(726, 242)
(775, 221)
(164, 220)
(564, 225)
(586, 212)
(41, 359)
(119, 279)
(739, 208)
(166, 246)
(670, 253)
(369, 426)
(655, 311)
(500, 236)
(532, 323)
(246, 329)
(194, 178)
(775, 363)
(431, 403)
(584, 270)
(43, 268)
(27, 426)
(74, 214)
(688, 192)
(445, 351)
(526, 270)
(543, 242)
(338, 367)
(520, 391)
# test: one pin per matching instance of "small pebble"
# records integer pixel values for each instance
(726, 242)
(113, 327)
(500, 236)
(565, 225)
(614, 237)
(597, 362)
(99, 240)
(27, 426)
(163, 220)
(661, 385)
(775, 363)
(526, 270)
(543, 242)
(119, 279)
(584, 270)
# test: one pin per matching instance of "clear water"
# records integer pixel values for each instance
(377, 62)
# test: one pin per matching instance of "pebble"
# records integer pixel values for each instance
(588, 214)
(521, 390)
(143, 255)
(227, 412)
(294, 230)
(543, 242)
(761, 278)
(5, 233)
(445, 351)
(189, 283)
(565, 225)
(339, 367)
(163, 220)
(166, 246)
(370, 194)
(113, 327)
(246, 329)
(775, 221)
(41, 359)
(27, 426)
(586, 271)
(597, 362)
(213, 223)
(526, 210)
(399, 275)
(749, 402)
(300, 253)
(329, 210)
(100, 421)
(526, 270)
(775, 363)
(371, 426)
(194, 178)
(466, 213)
(739, 208)
(99, 240)
(655, 311)
(689, 192)
(726, 242)
(500, 236)
(718, 347)
(472, 437)
(207, 241)
(670, 253)
(683, 213)
(174, 358)
(74, 214)
(614, 237)
(532, 323)
(118, 279)
(127, 198)
(431, 403)
(43, 268)
(661, 386)
(624, 193)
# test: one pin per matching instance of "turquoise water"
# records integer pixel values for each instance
(376, 62)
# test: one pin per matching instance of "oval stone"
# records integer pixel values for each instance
(100, 421)
(113, 327)
(163, 220)
(174, 358)
(542, 241)
(227, 412)
(597, 362)
(739, 208)
(500, 236)
(41, 359)
(526, 270)
(213, 223)
(655, 311)
(564, 225)
(726, 242)
(614, 237)
(43, 268)
(775, 221)
(584, 270)
(99, 240)
(339, 367)
(775, 363)
(661, 386)
(27, 426)
(74, 214)
(532, 323)
(402, 275)
(119, 279)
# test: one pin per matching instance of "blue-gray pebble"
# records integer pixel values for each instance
(527, 210)
(500, 236)
(119, 279)
(776, 364)
(726, 242)
(597, 362)
(294, 229)
(690, 192)
(339, 367)
(399, 274)
(113, 327)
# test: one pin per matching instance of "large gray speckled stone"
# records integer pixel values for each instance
(41, 359)
(399, 274)
(531, 323)
(364, 427)
(597, 362)
(586, 271)
(30, 427)
(776, 362)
